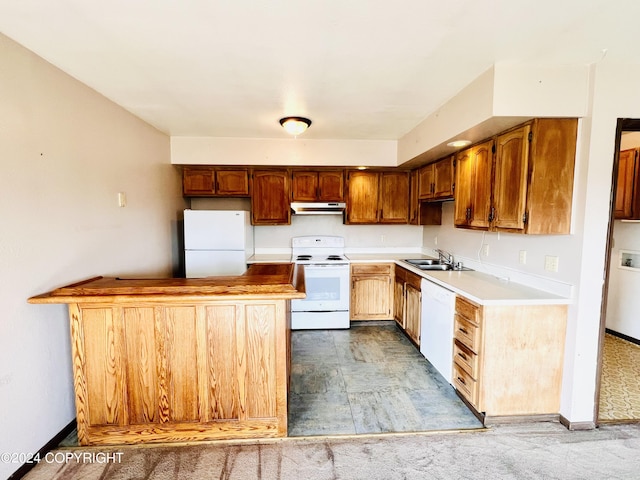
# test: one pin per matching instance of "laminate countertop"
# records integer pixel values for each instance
(479, 287)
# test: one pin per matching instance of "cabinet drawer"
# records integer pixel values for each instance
(465, 358)
(465, 384)
(467, 333)
(468, 310)
(371, 269)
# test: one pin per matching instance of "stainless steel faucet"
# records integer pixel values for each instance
(445, 257)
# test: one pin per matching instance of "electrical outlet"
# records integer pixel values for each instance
(435, 240)
(523, 257)
(551, 263)
(122, 199)
(381, 238)
(485, 250)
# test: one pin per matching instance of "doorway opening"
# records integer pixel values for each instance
(618, 387)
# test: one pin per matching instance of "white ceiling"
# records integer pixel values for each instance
(359, 69)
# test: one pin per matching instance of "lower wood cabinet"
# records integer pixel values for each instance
(407, 302)
(371, 291)
(507, 360)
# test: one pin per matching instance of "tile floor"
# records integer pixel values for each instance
(368, 379)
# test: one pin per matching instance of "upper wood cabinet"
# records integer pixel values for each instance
(473, 186)
(627, 204)
(215, 181)
(317, 186)
(524, 184)
(377, 197)
(422, 212)
(533, 188)
(436, 180)
(270, 193)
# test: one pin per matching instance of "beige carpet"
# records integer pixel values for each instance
(620, 383)
(533, 451)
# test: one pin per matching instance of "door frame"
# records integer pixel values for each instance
(623, 125)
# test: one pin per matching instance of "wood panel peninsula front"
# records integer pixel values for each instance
(178, 360)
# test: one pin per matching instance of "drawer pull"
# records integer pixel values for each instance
(464, 331)
(464, 357)
(461, 380)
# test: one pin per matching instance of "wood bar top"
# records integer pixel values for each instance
(265, 280)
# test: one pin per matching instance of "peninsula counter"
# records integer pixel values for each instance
(180, 360)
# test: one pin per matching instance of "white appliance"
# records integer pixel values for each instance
(217, 242)
(326, 278)
(436, 331)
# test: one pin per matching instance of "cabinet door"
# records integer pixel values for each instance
(412, 312)
(394, 197)
(304, 186)
(443, 181)
(482, 161)
(426, 182)
(398, 297)
(331, 186)
(232, 182)
(414, 199)
(625, 184)
(371, 297)
(198, 181)
(464, 177)
(270, 197)
(362, 197)
(510, 181)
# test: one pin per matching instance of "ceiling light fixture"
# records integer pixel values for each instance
(295, 125)
(459, 143)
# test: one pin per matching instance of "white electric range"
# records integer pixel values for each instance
(326, 276)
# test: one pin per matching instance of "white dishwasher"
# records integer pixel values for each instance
(436, 329)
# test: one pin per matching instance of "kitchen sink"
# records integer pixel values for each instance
(433, 264)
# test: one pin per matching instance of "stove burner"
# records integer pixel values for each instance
(334, 257)
(303, 257)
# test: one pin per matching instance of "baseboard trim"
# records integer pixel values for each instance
(576, 425)
(623, 336)
(50, 445)
(511, 419)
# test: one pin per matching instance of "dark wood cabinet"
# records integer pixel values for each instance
(317, 186)
(215, 181)
(270, 193)
(627, 206)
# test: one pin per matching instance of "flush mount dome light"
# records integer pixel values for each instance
(295, 125)
(459, 143)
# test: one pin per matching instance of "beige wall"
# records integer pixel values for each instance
(65, 153)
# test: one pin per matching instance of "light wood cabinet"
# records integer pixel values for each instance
(507, 360)
(371, 291)
(627, 204)
(270, 193)
(317, 186)
(377, 197)
(473, 186)
(407, 302)
(436, 180)
(215, 181)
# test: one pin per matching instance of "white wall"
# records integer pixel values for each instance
(290, 152)
(65, 152)
(277, 239)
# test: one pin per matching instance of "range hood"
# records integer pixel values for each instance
(318, 208)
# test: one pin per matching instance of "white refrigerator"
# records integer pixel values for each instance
(216, 242)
